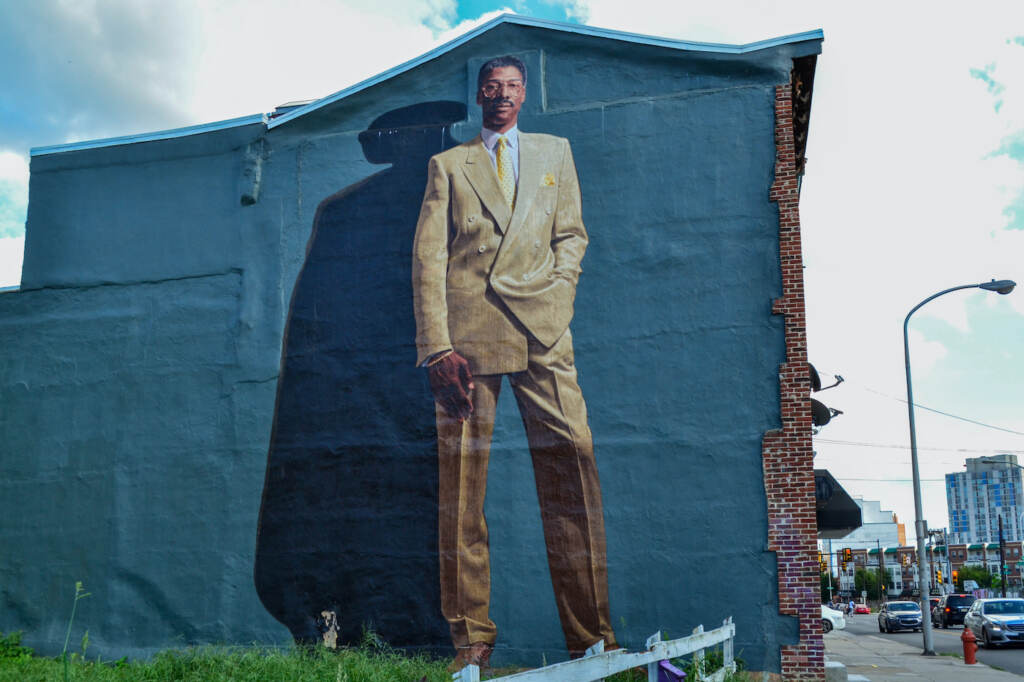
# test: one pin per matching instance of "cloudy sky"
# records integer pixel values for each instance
(915, 178)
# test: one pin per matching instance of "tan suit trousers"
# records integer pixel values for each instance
(551, 405)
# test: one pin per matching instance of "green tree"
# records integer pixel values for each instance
(865, 580)
(977, 573)
(825, 582)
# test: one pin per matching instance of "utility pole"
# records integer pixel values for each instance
(829, 564)
(943, 559)
(931, 553)
(881, 582)
(1002, 558)
(949, 566)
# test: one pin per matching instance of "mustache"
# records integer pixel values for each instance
(497, 101)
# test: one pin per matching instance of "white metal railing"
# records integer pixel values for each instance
(597, 663)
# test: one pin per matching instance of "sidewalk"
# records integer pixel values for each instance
(882, 660)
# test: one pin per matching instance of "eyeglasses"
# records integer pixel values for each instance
(492, 88)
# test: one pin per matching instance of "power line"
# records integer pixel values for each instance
(891, 480)
(865, 444)
(945, 414)
(932, 409)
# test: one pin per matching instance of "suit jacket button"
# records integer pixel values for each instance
(547, 211)
(481, 248)
(536, 243)
(471, 218)
(526, 277)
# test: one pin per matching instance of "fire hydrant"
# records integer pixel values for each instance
(970, 646)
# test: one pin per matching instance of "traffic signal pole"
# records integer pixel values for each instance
(1002, 558)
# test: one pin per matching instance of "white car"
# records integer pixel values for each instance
(996, 621)
(832, 619)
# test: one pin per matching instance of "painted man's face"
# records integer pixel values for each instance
(501, 96)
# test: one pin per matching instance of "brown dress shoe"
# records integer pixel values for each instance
(477, 653)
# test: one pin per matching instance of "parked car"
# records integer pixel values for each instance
(899, 615)
(996, 621)
(951, 610)
(861, 608)
(832, 619)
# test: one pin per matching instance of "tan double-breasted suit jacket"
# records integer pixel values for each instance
(485, 276)
(497, 285)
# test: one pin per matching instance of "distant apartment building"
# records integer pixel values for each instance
(898, 565)
(990, 488)
(879, 527)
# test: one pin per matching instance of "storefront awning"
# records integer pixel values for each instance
(838, 515)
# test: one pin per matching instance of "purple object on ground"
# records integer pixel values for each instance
(669, 673)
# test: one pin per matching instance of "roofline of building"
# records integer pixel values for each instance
(637, 38)
(149, 137)
(721, 48)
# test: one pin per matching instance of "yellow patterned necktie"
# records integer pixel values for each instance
(506, 174)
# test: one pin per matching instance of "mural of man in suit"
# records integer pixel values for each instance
(496, 261)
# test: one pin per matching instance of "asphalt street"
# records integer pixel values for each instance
(1009, 658)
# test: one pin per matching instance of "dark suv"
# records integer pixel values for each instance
(951, 609)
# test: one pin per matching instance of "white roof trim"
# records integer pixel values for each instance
(722, 48)
(148, 137)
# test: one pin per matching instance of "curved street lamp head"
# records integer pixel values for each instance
(1003, 286)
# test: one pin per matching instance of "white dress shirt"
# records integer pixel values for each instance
(491, 143)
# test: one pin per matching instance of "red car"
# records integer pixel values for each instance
(861, 608)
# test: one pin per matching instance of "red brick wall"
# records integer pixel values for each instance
(786, 454)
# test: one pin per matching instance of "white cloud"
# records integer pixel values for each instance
(575, 10)
(254, 56)
(13, 196)
(11, 251)
(925, 353)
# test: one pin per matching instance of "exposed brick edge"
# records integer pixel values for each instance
(786, 454)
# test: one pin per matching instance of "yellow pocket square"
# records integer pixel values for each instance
(548, 181)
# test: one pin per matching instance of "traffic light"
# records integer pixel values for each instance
(938, 576)
(956, 576)
(847, 554)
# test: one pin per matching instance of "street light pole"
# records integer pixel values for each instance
(920, 527)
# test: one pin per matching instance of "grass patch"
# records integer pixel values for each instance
(222, 664)
(951, 653)
(245, 664)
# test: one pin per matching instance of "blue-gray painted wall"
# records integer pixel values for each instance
(139, 361)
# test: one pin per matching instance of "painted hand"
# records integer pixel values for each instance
(451, 382)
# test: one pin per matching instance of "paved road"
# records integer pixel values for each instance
(1010, 658)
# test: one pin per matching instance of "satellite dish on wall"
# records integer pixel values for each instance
(821, 414)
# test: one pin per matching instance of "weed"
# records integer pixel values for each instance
(80, 594)
(11, 648)
(713, 659)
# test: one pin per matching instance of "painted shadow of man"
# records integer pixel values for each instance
(348, 522)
